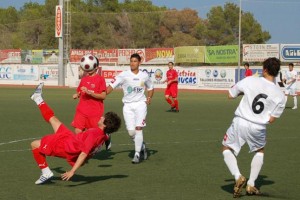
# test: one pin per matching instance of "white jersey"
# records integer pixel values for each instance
(289, 75)
(133, 85)
(262, 99)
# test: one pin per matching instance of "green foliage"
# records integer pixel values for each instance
(129, 24)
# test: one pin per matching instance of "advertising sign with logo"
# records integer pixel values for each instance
(187, 76)
(6, 72)
(25, 72)
(124, 55)
(259, 52)
(222, 54)
(37, 57)
(50, 56)
(58, 21)
(10, 56)
(290, 52)
(48, 72)
(216, 77)
(107, 55)
(77, 54)
(190, 54)
(159, 55)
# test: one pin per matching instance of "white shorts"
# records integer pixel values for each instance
(242, 131)
(290, 91)
(135, 114)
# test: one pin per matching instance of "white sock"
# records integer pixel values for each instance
(138, 141)
(38, 99)
(256, 164)
(46, 170)
(286, 97)
(295, 101)
(231, 162)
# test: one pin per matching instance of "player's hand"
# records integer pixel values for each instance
(84, 89)
(75, 96)
(148, 101)
(66, 176)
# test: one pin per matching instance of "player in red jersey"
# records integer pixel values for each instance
(172, 88)
(91, 92)
(75, 148)
(248, 71)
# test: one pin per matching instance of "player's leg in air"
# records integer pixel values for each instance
(48, 115)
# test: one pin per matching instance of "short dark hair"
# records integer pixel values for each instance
(137, 56)
(112, 122)
(291, 64)
(247, 64)
(272, 65)
(170, 63)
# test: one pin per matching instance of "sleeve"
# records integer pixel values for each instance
(237, 88)
(149, 83)
(175, 74)
(117, 80)
(101, 87)
(79, 86)
(279, 108)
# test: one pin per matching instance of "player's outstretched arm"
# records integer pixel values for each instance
(109, 89)
(80, 160)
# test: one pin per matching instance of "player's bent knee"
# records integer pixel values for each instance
(131, 133)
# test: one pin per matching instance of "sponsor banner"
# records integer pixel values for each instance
(10, 56)
(216, 77)
(48, 72)
(50, 56)
(110, 74)
(58, 21)
(25, 72)
(159, 55)
(189, 54)
(222, 54)
(259, 52)
(187, 76)
(37, 57)
(124, 55)
(290, 52)
(107, 55)
(6, 72)
(77, 54)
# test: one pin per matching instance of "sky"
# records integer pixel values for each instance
(280, 18)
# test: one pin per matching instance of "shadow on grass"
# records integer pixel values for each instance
(261, 181)
(82, 180)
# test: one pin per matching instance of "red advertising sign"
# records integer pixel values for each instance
(110, 74)
(124, 55)
(58, 21)
(159, 55)
(10, 56)
(77, 54)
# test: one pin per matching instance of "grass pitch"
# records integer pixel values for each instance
(185, 161)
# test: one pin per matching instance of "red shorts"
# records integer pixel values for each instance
(53, 144)
(172, 91)
(82, 122)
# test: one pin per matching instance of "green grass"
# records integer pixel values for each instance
(185, 160)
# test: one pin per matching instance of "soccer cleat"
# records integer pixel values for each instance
(108, 143)
(144, 153)
(37, 92)
(136, 159)
(43, 178)
(173, 109)
(251, 190)
(294, 108)
(239, 184)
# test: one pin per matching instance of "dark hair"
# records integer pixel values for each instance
(247, 64)
(291, 64)
(272, 65)
(137, 56)
(171, 63)
(112, 122)
(97, 61)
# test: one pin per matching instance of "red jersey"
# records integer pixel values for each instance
(248, 72)
(88, 105)
(171, 75)
(64, 143)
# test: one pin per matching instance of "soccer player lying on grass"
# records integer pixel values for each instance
(75, 148)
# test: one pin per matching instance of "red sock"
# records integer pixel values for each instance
(39, 158)
(176, 104)
(169, 101)
(46, 111)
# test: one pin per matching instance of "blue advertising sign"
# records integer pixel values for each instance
(290, 53)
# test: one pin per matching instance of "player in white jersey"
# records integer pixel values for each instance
(261, 104)
(290, 84)
(133, 83)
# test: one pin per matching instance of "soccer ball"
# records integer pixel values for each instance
(88, 63)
